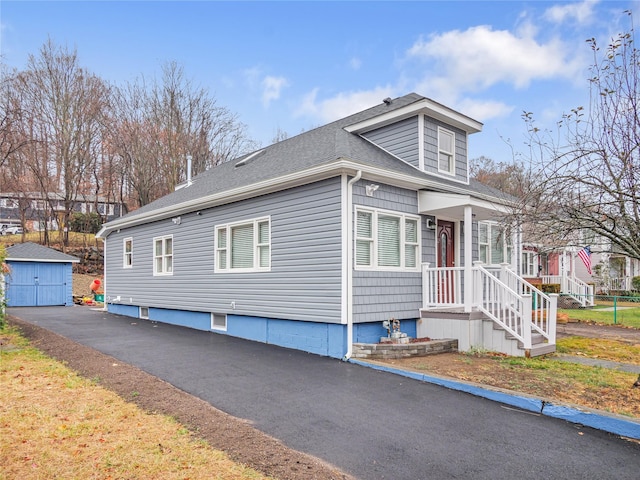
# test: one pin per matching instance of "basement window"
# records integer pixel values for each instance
(144, 313)
(219, 321)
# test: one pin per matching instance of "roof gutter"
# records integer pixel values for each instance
(302, 177)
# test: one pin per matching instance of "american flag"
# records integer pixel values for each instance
(585, 256)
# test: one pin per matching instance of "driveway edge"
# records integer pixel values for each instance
(591, 418)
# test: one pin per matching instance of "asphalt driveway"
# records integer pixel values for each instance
(373, 425)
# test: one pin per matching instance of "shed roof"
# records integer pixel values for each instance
(32, 252)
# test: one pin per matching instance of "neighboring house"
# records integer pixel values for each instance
(313, 242)
(611, 272)
(39, 210)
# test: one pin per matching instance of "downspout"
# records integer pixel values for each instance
(104, 275)
(350, 183)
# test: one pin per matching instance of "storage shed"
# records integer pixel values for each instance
(39, 276)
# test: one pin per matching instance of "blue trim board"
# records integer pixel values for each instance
(598, 420)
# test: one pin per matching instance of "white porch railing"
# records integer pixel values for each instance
(576, 288)
(511, 302)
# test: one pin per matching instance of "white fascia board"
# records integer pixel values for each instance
(228, 196)
(303, 177)
(40, 260)
(427, 107)
(451, 200)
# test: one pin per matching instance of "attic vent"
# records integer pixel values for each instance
(387, 101)
(250, 158)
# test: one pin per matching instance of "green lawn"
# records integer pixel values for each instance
(628, 316)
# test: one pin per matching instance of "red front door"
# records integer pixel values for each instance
(446, 258)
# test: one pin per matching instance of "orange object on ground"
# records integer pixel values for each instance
(95, 285)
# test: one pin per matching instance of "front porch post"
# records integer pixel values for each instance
(468, 258)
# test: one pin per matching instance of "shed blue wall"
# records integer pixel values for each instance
(54, 284)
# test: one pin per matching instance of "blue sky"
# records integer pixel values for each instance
(296, 65)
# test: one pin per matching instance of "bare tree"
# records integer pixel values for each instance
(588, 171)
(157, 125)
(65, 105)
(11, 139)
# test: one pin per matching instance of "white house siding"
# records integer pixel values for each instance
(305, 278)
(400, 139)
(380, 295)
(431, 148)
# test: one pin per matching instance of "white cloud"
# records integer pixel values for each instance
(271, 88)
(480, 57)
(483, 110)
(355, 63)
(582, 12)
(342, 104)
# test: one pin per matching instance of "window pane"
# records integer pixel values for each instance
(497, 245)
(168, 246)
(410, 256)
(483, 233)
(388, 241)
(158, 248)
(222, 238)
(363, 252)
(169, 264)
(127, 246)
(445, 141)
(242, 246)
(264, 256)
(364, 224)
(411, 231)
(159, 264)
(263, 232)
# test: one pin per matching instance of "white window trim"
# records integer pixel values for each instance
(125, 254)
(492, 228)
(256, 247)
(532, 260)
(374, 242)
(143, 312)
(219, 327)
(164, 256)
(452, 166)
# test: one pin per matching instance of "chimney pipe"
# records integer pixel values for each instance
(188, 170)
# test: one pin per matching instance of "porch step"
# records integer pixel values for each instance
(541, 349)
(538, 344)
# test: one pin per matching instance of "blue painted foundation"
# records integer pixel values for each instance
(326, 339)
(371, 332)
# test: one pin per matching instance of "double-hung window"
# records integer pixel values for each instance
(243, 246)
(127, 253)
(494, 244)
(163, 255)
(446, 151)
(387, 240)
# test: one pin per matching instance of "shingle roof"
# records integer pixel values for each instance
(322, 145)
(34, 252)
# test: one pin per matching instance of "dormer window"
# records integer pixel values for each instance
(446, 147)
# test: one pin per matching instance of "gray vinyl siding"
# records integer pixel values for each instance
(381, 295)
(400, 139)
(431, 149)
(304, 282)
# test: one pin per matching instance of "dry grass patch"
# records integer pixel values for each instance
(545, 377)
(56, 424)
(600, 348)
